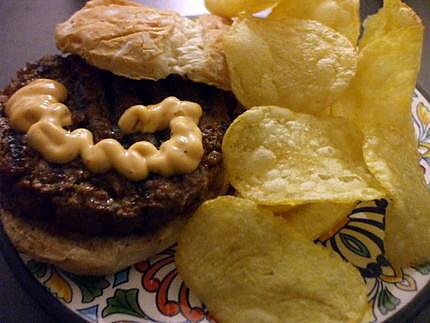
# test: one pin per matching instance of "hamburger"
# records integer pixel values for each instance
(97, 223)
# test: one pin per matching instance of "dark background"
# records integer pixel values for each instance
(26, 34)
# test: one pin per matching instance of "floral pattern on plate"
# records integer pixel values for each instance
(152, 291)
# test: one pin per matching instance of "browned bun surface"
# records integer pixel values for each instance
(76, 200)
(82, 254)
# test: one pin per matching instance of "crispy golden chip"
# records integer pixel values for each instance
(299, 64)
(394, 161)
(248, 265)
(367, 317)
(279, 209)
(379, 102)
(277, 157)
(232, 8)
(313, 220)
(341, 15)
(394, 15)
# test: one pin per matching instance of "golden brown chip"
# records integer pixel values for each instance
(393, 16)
(302, 65)
(379, 102)
(279, 209)
(341, 15)
(277, 157)
(232, 8)
(248, 265)
(313, 220)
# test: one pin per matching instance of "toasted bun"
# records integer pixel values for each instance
(138, 42)
(84, 255)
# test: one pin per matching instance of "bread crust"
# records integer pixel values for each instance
(90, 255)
(84, 255)
(138, 42)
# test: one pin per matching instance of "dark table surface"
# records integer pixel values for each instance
(26, 33)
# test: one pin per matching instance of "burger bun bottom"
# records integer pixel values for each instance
(84, 255)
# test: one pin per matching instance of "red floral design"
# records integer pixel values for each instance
(168, 307)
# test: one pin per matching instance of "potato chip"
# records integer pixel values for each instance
(379, 102)
(341, 15)
(364, 103)
(299, 64)
(279, 209)
(232, 8)
(314, 220)
(368, 316)
(394, 15)
(277, 157)
(394, 161)
(248, 265)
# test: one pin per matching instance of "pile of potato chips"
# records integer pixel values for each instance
(328, 125)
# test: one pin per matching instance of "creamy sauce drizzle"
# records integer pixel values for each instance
(37, 110)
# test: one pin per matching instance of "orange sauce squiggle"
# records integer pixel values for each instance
(37, 110)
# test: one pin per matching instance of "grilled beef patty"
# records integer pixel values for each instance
(79, 200)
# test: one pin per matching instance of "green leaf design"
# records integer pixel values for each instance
(90, 286)
(387, 302)
(124, 301)
(38, 269)
(355, 245)
(423, 269)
